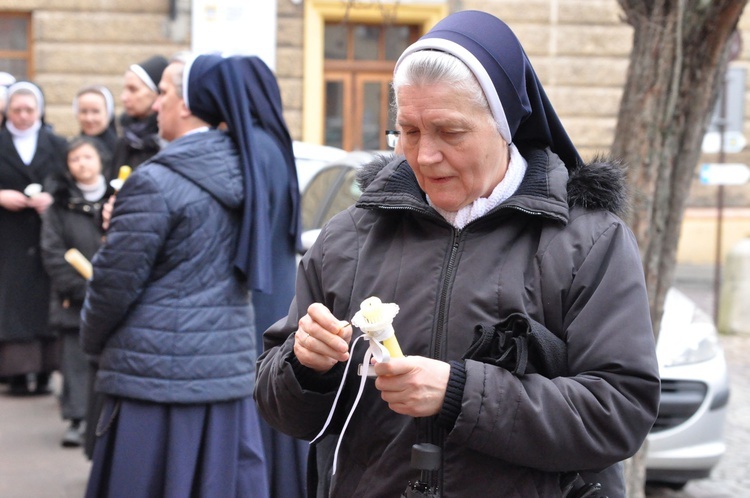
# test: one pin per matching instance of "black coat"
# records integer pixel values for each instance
(553, 252)
(24, 285)
(71, 222)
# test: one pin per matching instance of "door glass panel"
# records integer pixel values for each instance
(335, 42)
(372, 107)
(396, 41)
(366, 42)
(334, 121)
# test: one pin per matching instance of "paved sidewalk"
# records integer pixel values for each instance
(32, 462)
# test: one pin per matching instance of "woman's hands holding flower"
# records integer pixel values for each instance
(322, 340)
(414, 385)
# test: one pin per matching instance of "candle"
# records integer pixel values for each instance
(122, 175)
(377, 319)
(79, 262)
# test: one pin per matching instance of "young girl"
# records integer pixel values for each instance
(73, 222)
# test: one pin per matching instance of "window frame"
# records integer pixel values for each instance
(26, 55)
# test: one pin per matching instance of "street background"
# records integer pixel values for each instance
(34, 465)
(731, 477)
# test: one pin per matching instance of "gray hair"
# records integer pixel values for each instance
(427, 67)
(177, 76)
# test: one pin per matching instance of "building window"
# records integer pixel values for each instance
(358, 67)
(15, 45)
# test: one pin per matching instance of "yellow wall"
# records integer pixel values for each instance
(699, 233)
(317, 12)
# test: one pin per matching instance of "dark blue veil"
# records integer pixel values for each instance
(495, 56)
(242, 92)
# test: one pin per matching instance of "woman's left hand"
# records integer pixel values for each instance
(414, 385)
(40, 202)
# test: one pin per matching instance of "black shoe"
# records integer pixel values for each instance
(42, 384)
(17, 386)
(73, 437)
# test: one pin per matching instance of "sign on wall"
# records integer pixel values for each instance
(734, 119)
(235, 27)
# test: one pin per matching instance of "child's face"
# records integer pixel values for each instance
(85, 164)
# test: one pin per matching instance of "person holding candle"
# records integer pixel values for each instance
(489, 218)
(72, 222)
(30, 155)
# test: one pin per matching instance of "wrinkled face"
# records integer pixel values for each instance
(92, 113)
(137, 98)
(169, 105)
(451, 143)
(84, 164)
(23, 110)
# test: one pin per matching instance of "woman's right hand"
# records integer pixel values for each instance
(322, 340)
(13, 200)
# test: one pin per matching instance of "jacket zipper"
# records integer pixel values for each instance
(436, 435)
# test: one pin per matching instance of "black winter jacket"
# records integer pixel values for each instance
(552, 252)
(24, 285)
(165, 311)
(71, 222)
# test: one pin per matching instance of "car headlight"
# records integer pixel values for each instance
(696, 343)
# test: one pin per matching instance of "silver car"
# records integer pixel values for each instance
(687, 439)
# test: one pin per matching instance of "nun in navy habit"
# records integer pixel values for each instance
(274, 208)
(199, 250)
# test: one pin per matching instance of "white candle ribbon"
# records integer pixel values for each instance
(375, 350)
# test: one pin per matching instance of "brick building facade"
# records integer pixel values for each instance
(579, 48)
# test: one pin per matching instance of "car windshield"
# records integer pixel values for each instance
(332, 190)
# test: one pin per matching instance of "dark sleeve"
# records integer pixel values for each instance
(65, 279)
(291, 397)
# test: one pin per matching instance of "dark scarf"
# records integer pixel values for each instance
(242, 91)
(140, 133)
(107, 138)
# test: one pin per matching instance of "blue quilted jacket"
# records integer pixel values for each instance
(164, 310)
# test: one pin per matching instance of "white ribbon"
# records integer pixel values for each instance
(375, 350)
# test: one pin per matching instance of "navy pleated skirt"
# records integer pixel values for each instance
(151, 450)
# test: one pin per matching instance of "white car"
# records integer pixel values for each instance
(687, 440)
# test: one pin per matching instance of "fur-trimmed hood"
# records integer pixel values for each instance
(598, 185)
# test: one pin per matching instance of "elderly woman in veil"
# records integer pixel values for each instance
(491, 222)
(31, 155)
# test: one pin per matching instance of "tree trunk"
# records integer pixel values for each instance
(676, 70)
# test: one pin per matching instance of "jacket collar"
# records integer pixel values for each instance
(388, 182)
(548, 188)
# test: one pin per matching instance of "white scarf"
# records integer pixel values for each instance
(25, 140)
(93, 192)
(483, 205)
